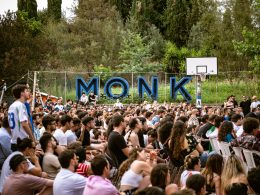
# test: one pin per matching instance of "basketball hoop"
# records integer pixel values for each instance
(202, 77)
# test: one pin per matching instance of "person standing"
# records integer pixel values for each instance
(245, 105)
(18, 117)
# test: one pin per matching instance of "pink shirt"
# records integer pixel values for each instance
(98, 185)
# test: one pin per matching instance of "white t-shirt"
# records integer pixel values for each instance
(60, 137)
(68, 183)
(16, 114)
(6, 170)
(185, 174)
(71, 137)
(254, 104)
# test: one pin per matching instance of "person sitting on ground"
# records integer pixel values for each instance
(197, 183)
(19, 183)
(98, 183)
(25, 147)
(253, 178)
(212, 173)
(68, 182)
(83, 99)
(192, 166)
(50, 163)
(132, 172)
(131, 137)
(92, 99)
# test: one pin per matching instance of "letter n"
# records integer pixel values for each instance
(143, 87)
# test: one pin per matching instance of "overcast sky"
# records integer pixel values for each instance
(6, 5)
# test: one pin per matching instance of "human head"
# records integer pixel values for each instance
(25, 145)
(68, 159)
(225, 128)
(214, 164)
(76, 124)
(218, 121)
(150, 191)
(152, 135)
(165, 131)
(253, 178)
(20, 91)
(88, 121)
(47, 141)
(135, 123)
(232, 168)
(49, 122)
(237, 119)
(160, 176)
(192, 163)
(18, 160)
(65, 121)
(100, 166)
(235, 189)
(185, 192)
(197, 182)
(118, 121)
(250, 125)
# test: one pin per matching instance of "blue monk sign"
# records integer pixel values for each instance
(143, 87)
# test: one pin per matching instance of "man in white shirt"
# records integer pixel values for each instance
(59, 106)
(254, 103)
(71, 134)
(59, 134)
(83, 99)
(67, 182)
(18, 117)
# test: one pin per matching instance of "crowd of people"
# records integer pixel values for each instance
(77, 148)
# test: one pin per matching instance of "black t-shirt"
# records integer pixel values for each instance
(91, 98)
(141, 138)
(245, 105)
(86, 138)
(116, 143)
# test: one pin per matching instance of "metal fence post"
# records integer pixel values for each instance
(65, 90)
(34, 89)
(132, 86)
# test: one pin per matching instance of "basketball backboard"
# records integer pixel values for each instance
(198, 66)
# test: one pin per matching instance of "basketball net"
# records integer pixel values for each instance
(202, 77)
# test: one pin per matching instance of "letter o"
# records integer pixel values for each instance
(116, 81)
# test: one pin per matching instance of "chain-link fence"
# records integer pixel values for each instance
(215, 89)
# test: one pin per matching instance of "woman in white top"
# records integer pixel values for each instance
(131, 136)
(132, 172)
(192, 165)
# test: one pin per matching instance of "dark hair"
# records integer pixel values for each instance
(22, 144)
(235, 117)
(159, 175)
(18, 89)
(150, 191)
(253, 178)
(15, 161)
(64, 119)
(250, 124)
(142, 119)
(190, 162)
(81, 114)
(184, 119)
(214, 164)
(148, 114)
(98, 164)
(76, 121)
(133, 122)
(81, 153)
(184, 192)
(178, 132)
(47, 120)
(152, 133)
(225, 128)
(218, 120)
(196, 182)
(5, 122)
(205, 118)
(65, 158)
(212, 117)
(236, 188)
(116, 120)
(44, 140)
(165, 132)
(87, 119)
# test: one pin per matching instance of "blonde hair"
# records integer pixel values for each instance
(233, 168)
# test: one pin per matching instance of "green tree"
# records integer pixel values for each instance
(54, 9)
(29, 6)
